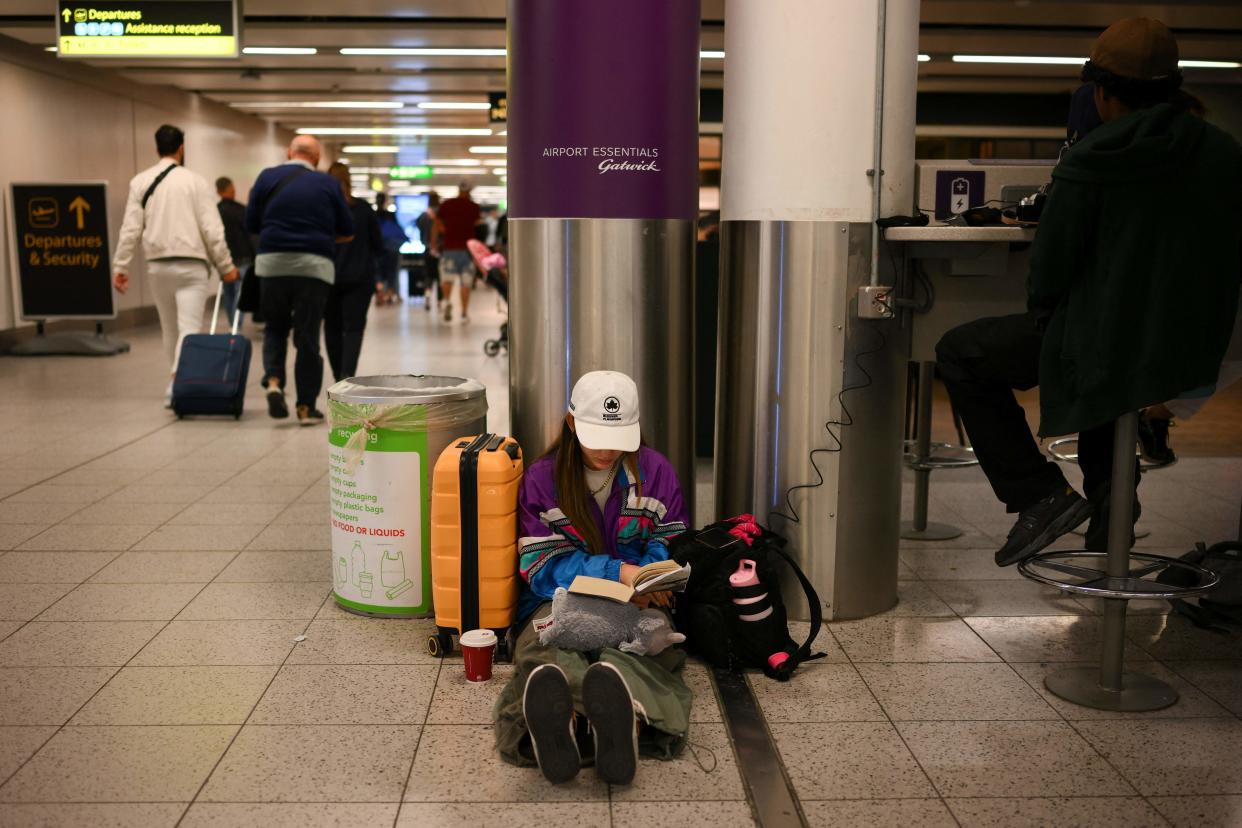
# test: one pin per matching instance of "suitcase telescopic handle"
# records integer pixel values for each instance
(215, 312)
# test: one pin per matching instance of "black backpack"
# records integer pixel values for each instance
(713, 623)
(1222, 607)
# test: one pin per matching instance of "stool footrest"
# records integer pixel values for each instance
(1072, 571)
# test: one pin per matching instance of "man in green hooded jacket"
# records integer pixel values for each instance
(1132, 291)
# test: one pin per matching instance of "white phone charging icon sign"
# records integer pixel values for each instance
(959, 196)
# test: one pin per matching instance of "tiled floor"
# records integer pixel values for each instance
(155, 577)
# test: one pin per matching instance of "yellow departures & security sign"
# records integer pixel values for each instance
(60, 241)
(147, 28)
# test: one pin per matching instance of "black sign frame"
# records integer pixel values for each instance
(91, 294)
(72, 5)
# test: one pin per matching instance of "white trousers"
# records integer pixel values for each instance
(180, 288)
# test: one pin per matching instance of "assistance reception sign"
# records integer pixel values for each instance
(147, 28)
(61, 247)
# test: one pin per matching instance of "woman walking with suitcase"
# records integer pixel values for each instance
(598, 504)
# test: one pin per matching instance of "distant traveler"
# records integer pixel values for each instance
(425, 224)
(388, 288)
(300, 215)
(1109, 328)
(601, 504)
(458, 218)
(357, 263)
(241, 247)
(173, 212)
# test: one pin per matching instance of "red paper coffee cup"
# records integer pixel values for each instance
(478, 647)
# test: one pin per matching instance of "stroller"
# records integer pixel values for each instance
(496, 273)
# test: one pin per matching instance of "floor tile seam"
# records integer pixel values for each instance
(893, 725)
(1123, 777)
(1220, 702)
(91, 698)
(87, 461)
(28, 621)
(249, 715)
(418, 741)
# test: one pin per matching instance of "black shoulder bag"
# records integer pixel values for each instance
(249, 299)
(147, 195)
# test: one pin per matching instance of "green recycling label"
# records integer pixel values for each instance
(380, 527)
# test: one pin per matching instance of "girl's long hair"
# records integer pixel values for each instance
(569, 476)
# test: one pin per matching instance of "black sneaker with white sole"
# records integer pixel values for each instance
(1041, 524)
(548, 707)
(277, 408)
(610, 710)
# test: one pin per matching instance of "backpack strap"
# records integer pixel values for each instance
(297, 172)
(147, 195)
(812, 597)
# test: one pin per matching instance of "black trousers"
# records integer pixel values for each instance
(981, 363)
(294, 304)
(344, 320)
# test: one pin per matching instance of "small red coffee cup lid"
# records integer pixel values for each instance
(478, 638)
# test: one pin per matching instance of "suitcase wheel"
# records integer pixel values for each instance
(440, 645)
(491, 347)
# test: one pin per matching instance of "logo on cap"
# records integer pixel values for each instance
(612, 408)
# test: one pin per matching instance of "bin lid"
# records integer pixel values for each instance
(413, 389)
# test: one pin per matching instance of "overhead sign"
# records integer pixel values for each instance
(407, 173)
(957, 191)
(147, 28)
(61, 244)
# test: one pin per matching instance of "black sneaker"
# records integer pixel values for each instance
(610, 710)
(277, 408)
(1153, 434)
(548, 707)
(1041, 524)
(308, 416)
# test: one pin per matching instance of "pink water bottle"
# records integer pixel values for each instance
(746, 576)
(744, 580)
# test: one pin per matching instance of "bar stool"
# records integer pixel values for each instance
(1110, 686)
(920, 457)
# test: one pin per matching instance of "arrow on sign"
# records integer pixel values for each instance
(79, 206)
(68, 15)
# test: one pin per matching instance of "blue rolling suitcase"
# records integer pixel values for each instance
(211, 374)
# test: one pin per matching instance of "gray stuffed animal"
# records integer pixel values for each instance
(584, 622)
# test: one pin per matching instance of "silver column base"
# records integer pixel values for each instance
(1139, 692)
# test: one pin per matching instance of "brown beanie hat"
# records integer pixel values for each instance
(1137, 47)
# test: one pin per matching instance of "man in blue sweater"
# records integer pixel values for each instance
(299, 215)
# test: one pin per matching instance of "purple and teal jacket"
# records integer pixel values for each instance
(635, 530)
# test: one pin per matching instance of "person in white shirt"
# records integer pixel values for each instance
(173, 212)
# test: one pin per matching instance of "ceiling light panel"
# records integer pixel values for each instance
(280, 50)
(454, 105)
(373, 149)
(489, 150)
(432, 131)
(423, 52)
(318, 105)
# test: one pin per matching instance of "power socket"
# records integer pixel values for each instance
(875, 302)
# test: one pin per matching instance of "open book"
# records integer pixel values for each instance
(654, 577)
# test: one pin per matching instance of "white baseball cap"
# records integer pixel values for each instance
(605, 409)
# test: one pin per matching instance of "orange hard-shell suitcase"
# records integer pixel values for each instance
(474, 527)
